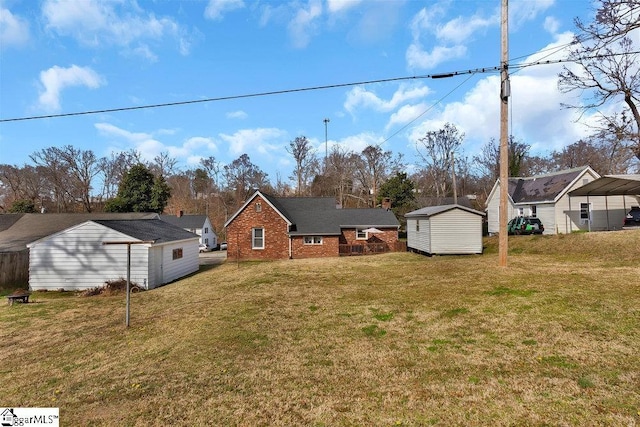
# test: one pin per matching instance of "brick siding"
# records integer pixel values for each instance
(276, 238)
(239, 233)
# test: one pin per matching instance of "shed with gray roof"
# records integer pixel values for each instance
(76, 258)
(446, 229)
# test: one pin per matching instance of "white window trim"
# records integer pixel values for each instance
(315, 240)
(253, 238)
(588, 218)
(361, 238)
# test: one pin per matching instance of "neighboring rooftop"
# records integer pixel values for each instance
(542, 188)
(191, 222)
(148, 229)
(33, 226)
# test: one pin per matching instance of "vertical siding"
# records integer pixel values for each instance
(546, 214)
(76, 259)
(456, 232)
(418, 240)
(493, 212)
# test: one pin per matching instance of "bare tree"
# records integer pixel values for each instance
(607, 63)
(372, 168)
(304, 156)
(113, 168)
(163, 164)
(55, 172)
(435, 149)
(243, 177)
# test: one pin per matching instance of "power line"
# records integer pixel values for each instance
(308, 89)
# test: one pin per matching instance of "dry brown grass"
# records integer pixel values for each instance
(395, 339)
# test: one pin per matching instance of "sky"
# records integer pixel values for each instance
(61, 57)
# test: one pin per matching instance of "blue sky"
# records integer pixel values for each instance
(79, 55)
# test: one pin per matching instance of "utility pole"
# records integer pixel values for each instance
(326, 150)
(505, 92)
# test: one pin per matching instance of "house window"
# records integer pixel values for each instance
(534, 211)
(312, 240)
(206, 230)
(257, 238)
(177, 253)
(584, 211)
(258, 207)
(520, 211)
(417, 225)
(361, 234)
(206, 241)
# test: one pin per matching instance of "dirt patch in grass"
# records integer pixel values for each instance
(394, 339)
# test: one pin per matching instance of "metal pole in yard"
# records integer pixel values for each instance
(147, 242)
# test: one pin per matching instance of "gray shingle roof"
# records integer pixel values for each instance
(148, 229)
(435, 210)
(319, 215)
(32, 227)
(541, 188)
(185, 221)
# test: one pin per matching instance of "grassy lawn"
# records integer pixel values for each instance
(385, 340)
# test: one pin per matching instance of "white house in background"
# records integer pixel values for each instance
(77, 258)
(199, 224)
(546, 197)
(446, 229)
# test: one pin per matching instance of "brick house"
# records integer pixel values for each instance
(268, 227)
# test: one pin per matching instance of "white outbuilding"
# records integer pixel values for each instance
(77, 258)
(446, 229)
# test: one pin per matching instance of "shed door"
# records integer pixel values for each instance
(157, 267)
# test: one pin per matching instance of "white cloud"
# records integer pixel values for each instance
(535, 114)
(56, 79)
(260, 140)
(521, 11)
(421, 59)
(303, 25)
(338, 6)
(551, 25)
(460, 29)
(95, 23)
(240, 115)
(14, 30)
(359, 142)
(360, 97)
(406, 114)
(217, 8)
(150, 146)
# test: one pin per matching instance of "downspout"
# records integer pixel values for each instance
(565, 219)
(290, 247)
(589, 213)
(606, 206)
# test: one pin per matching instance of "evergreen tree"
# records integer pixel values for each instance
(140, 191)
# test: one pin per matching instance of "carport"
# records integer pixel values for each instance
(610, 185)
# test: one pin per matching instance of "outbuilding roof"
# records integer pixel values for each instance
(34, 226)
(149, 229)
(610, 185)
(435, 210)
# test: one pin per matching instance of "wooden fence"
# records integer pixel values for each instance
(371, 248)
(14, 269)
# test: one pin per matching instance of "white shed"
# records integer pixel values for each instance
(77, 259)
(446, 229)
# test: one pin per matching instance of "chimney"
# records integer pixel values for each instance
(386, 203)
(179, 214)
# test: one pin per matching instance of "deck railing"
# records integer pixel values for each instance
(370, 248)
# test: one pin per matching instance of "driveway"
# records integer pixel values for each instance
(212, 258)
